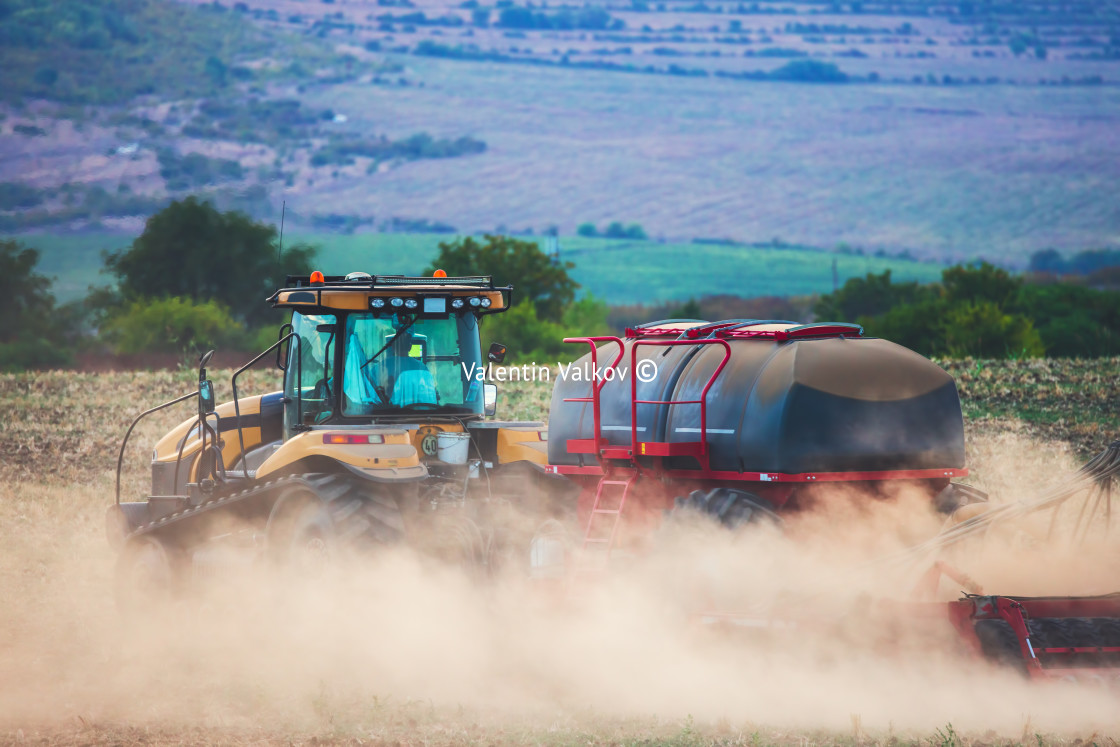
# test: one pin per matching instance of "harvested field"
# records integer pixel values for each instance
(405, 653)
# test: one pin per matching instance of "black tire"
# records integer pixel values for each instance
(149, 574)
(330, 518)
(729, 507)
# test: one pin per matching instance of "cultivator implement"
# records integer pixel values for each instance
(1044, 637)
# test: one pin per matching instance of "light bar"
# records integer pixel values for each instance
(353, 438)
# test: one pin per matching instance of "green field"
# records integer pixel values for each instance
(620, 271)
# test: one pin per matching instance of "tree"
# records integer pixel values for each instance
(32, 331)
(192, 249)
(514, 261)
(26, 303)
(690, 310)
(917, 326)
(869, 296)
(983, 282)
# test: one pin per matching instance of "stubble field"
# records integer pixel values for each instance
(417, 656)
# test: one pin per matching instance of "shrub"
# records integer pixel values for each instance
(172, 325)
(32, 354)
(809, 71)
(983, 330)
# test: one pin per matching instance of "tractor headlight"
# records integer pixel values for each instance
(397, 302)
(410, 303)
(485, 303)
(456, 303)
(476, 301)
(377, 303)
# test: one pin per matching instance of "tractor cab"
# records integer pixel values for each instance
(365, 349)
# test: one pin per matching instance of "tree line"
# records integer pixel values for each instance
(197, 278)
(981, 311)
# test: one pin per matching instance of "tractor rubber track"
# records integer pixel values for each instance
(355, 512)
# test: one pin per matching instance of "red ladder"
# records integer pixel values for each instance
(595, 553)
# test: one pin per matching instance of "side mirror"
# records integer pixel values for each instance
(490, 399)
(496, 353)
(282, 349)
(205, 398)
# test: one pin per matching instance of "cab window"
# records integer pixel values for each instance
(309, 381)
(404, 362)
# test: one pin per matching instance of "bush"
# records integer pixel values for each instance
(531, 339)
(32, 354)
(196, 170)
(809, 71)
(983, 330)
(172, 325)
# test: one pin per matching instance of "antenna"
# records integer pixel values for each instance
(283, 210)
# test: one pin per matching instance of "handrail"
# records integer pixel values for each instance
(634, 401)
(204, 427)
(141, 416)
(250, 364)
(597, 382)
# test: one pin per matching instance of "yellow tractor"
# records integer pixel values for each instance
(382, 435)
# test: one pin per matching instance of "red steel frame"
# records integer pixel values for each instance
(594, 445)
(1017, 611)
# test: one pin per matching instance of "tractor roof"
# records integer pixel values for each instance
(318, 293)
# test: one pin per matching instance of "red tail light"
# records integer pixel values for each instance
(352, 438)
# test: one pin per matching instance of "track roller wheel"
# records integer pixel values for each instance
(149, 574)
(329, 518)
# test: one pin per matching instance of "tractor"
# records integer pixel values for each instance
(379, 437)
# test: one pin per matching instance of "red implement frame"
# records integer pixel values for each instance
(1018, 611)
(698, 449)
(594, 445)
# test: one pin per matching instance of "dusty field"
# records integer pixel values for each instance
(407, 653)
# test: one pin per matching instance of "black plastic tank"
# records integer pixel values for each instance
(829, 403)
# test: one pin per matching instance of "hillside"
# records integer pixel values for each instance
(109, 52)
(950, 131)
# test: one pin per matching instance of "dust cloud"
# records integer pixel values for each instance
(817, 646)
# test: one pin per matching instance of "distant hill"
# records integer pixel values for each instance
(951, 131)
(110, 51)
